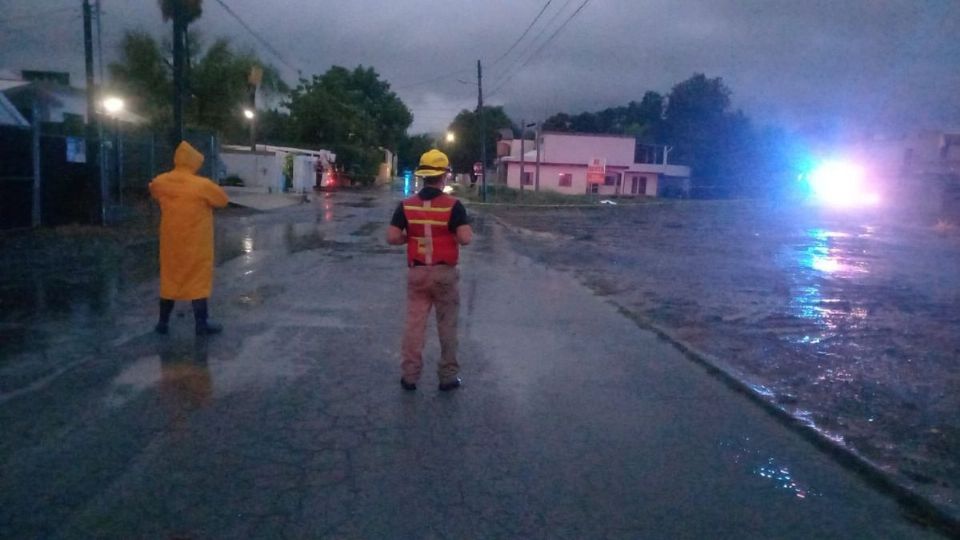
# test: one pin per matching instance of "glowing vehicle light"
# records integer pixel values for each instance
(841, 184)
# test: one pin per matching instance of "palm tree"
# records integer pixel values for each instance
(193, 9)
(183, 12)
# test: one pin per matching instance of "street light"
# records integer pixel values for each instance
(251, 115)
(451, 137)
(113, 106)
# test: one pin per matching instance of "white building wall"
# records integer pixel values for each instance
(568, 153)
(549, 177)
(565, 148)
(304, 173)
(257, 169)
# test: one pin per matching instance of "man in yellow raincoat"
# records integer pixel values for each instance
(186, 237)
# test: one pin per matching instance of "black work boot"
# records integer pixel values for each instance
(163, 325)
(204, 326)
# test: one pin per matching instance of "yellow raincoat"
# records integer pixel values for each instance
(186, 226)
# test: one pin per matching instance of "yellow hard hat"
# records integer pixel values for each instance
(433, 163)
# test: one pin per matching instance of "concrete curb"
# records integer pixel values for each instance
(917, 506)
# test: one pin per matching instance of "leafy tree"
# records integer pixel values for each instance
(352, 112)
(142, 75)
(466, 150)
(218, 86)
(586, 122)
(699, 125)
(410, 150)
(644, 119)
(558, 122)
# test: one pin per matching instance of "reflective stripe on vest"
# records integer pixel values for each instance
(429, 240)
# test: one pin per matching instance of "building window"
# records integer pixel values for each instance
(611, 180)
(527, 179)
(593, 188)
(565, 180)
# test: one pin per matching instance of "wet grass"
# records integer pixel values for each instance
(505, 195)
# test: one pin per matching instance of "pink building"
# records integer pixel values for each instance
(565, 157)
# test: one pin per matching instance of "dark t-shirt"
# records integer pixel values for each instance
(458, 214)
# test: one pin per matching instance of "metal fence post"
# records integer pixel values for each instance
(37, 207)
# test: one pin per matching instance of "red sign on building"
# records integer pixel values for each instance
(596, 170)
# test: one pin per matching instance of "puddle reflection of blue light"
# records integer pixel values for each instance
(782, 478)
(814, 262)
(773, 472)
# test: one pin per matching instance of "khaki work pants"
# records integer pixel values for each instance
(431, 286)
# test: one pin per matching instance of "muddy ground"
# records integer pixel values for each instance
(848, 320)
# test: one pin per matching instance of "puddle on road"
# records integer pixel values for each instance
(259, 295)
(364, 202)
(79, 298)
(773, 472)
(367, 229)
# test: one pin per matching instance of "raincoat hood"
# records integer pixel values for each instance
(187, 157)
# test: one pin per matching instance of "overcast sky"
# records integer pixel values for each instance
(795, 62)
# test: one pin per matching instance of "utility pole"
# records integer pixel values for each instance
(88, 57)
(253, 81)
(523, 132)
(179, 32)
(483, 131)
(93, 127)
(536, 181)
(36, 219)
(99, 40)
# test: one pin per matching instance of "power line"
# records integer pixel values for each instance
(461, 71)
(545, 43)
(531, 44)
(37, 14)
(257, 36)
(433, 79)
(524, 34)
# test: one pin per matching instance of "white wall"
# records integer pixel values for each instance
(257, 169)
(566, 148)
(549, 177)
(304, 173)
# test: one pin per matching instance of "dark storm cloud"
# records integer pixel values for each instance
(864, 61)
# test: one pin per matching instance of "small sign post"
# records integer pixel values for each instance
(596, 170)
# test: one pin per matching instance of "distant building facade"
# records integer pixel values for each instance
(580, 163)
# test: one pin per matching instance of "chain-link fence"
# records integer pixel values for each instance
(51, 178)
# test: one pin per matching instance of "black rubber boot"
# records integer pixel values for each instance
(163, 325)
(204, 326)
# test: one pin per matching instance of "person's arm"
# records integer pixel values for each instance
(464, 234)
(396, 234)
(214, 194)
(460, 224)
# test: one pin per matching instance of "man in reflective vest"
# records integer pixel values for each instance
(433, 225)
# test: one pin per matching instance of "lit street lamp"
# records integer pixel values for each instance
(451, 137)
(251, 116)
(114, 106)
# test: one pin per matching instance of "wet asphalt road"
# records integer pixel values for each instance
(572, 422)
